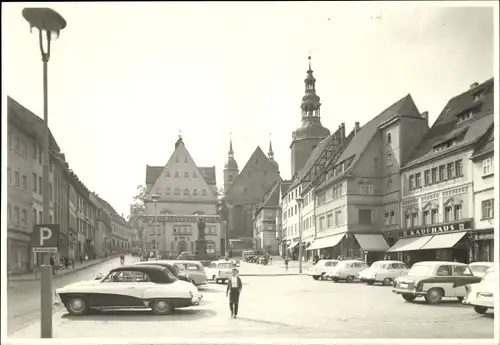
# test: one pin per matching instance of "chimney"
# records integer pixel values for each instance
(474, 85)
(356, 128)
(425, 115)
(343, 130)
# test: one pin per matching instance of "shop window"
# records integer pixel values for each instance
(487, 209)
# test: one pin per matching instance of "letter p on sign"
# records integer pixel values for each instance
(45, 234)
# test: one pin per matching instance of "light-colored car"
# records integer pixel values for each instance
(481, 295)
(193, 269)
(219, 271)
(321, 268)
(479, 268)
(434, 280)
(346, 270)
(383, 272)
(130, 287)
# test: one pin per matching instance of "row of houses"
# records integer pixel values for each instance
(90, 226)
(394, 187)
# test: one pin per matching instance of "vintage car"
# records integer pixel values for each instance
(219, 271)
(171, 268)
(479, 268)
(481, 295)
(383, 272)
(130, 287)
(434, 280)
(194, 269)
(346, 270)
(321, 268)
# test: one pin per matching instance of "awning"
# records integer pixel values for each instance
(372, 242)
(325, 242)
(444, 240)
(407, 244)
(293, 245)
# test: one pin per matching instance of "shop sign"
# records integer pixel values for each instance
(437, 229)
(484, 236)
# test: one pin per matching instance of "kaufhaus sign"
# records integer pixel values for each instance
(437, 229)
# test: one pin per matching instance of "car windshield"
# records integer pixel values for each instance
(225, 266)
(489, 277)
(479, 268)
(419, 270)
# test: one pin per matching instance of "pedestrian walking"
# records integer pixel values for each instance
(286, 264)
(81, 260)
(270, 260)
(52, 263)
(234, 286)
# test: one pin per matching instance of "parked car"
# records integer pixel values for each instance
(479, 268)
(130, 287)
(481, 295)
(346, 270)
(322, 267)
(434, 280)
(219, 271)
(193, 269)
(383, 272)
(171, 268)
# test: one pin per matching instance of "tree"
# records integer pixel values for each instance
(137, 210)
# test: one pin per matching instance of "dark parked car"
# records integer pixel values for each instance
(170, 267)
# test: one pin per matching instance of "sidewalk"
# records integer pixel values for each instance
(78, 266)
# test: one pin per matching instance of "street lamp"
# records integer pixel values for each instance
(300, 202)
(154, 198)
(49, 24)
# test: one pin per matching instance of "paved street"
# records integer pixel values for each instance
(23, 297)
(286, 307)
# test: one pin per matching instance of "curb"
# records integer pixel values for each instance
(65, 273)
(271, 274)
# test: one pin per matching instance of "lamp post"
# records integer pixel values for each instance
(155, 199)
(300, 202)
(49, 24)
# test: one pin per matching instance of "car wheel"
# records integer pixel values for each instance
(387, 281)
(434, 295)
(76, 305)
(408, 297)
(480, 310)
(323, 276)
(336, 280)
(370, 282)
(350, 279)
(315, 277)
(161, 307)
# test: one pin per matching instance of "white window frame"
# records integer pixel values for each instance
(487, 166)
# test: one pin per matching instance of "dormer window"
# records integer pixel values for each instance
(464, 116)
(478, 96)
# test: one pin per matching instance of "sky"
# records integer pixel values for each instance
(126, 79)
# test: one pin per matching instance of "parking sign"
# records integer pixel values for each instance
(45, 237)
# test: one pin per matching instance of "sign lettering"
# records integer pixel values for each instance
(45, 234)
(432, 230)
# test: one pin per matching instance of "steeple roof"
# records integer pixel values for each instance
(270, 155)
(231, 163)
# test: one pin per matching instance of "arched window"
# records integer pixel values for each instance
(177, 191)
(186, 191)
(168, 191)
(389, 139)
(195, 192)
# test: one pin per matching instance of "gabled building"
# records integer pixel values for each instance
(357, 196)
(184, 192)
(244, 194)
(264, 221)
(438, 182)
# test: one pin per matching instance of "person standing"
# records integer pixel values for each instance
(234, 287)
(286, 264)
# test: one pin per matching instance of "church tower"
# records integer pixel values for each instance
(270, 155)
(230, 168)
(311, 132)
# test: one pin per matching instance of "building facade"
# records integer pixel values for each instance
(438, 183)
(265, 221)
(184, 193)
(243, 192)
(483, 170)
(358, 198)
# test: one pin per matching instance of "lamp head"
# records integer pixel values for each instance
(45, 20)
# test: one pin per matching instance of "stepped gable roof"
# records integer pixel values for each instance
(447, 126)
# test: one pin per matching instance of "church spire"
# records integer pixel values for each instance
(270, 154)
(231, 152)
(310, 102)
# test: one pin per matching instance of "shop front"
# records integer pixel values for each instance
(440, 242)
(483, 245)
(18, 260)
(327, 247)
